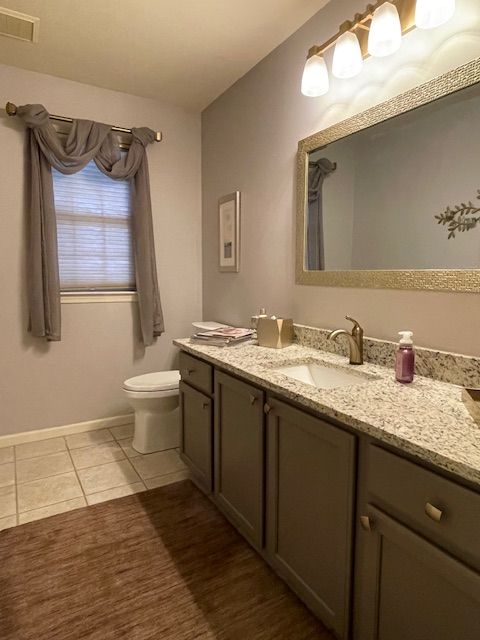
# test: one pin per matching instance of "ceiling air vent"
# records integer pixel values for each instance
(18, 25)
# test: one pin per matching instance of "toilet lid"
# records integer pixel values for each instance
(159, 381)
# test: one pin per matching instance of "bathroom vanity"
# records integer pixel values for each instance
(364, 498)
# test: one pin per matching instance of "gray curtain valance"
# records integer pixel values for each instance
(317, 172)
(86, 141)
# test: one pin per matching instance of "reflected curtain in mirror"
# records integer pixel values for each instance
(317, 172)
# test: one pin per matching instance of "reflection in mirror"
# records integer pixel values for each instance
(318, 170)
(403, 194)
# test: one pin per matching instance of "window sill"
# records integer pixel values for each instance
(101, 296)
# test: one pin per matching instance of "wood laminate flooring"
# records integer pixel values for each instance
(158, 565)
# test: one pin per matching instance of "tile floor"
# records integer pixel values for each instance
(42, 478)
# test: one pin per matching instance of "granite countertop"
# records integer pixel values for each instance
(426, 418)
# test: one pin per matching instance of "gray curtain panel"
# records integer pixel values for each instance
(86, 141)
(317, 172)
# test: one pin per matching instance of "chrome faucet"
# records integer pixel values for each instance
(355, 340)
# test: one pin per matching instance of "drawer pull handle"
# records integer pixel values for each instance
(253, 399)
(267, 408)
(433, 513)
(205, 405)
(189, 372)
(366, 523)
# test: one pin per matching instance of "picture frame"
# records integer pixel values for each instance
(229, 232)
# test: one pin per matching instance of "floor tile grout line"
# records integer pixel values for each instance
(95, 493)
(43, 439)
(34, 441)
(52, 475)
(126, 458)
(86, 495)
(101, 464)
(135, 471)
(164, 475)
(42, 455)
(53, 504)
(125, 437)
(91, 444)
(75, 467)
(117, 486)
(77, 476)
(67, 447)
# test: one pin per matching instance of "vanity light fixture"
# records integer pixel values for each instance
(347, 56)
(433, 13)
(315, 80)
(385, 35)
(375, 32)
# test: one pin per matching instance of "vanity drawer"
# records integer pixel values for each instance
(442, 510)
(196, 372)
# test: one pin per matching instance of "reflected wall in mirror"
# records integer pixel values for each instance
(390, 198)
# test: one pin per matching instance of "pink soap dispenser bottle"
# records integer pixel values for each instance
(405, 358)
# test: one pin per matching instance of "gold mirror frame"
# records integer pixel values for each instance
(461, 280)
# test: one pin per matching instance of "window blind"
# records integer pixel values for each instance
(93, 231)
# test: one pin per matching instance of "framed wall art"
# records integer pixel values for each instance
(229, 232)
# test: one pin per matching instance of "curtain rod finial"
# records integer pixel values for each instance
(11, 109)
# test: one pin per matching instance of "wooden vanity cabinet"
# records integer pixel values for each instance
(239, 455)
(310, 503)
(418, 552)
(305, 492)
(414, 589)
(196, 435)
(196, 419)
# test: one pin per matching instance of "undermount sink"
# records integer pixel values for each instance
(323, 377)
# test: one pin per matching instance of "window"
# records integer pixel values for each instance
(93, 231)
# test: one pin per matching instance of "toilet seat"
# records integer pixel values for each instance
(153, 382)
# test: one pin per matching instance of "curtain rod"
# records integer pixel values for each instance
(11, 110)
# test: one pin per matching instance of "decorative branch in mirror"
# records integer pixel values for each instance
(396, 165)
(460, 218)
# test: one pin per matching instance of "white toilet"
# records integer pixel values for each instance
(154, 398)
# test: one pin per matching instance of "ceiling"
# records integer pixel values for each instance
(187, 53)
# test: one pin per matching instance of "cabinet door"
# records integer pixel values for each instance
(311, 470)
(414, 589)
(196, 431)
(239, 455)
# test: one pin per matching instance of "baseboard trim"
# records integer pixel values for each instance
(66, 430)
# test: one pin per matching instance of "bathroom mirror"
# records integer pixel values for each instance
(390, 198)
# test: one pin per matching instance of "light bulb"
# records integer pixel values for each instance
(385, 35)
(432, 13)
(315, 80)
(347, 57)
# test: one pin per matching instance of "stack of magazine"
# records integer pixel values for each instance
(223, 336)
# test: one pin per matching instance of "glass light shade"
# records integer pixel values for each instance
(385, 35)
(433, 13)
(315, 80)
(347, 57)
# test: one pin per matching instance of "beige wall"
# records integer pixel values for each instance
(249, 139)
(80, 378)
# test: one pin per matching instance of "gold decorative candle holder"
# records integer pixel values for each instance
(275, 334)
